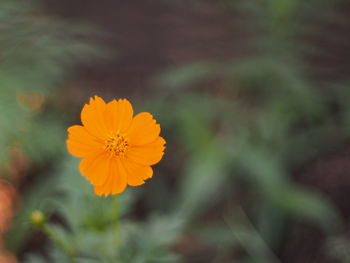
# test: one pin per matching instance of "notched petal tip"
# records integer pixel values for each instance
(73, 128)
(99, 191)
(99, 100)
(123, 100)
(162, 141)
(95, 99)
(149, 173)
(116, 192)
(126, 103)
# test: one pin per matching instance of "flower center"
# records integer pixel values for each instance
(117, 145)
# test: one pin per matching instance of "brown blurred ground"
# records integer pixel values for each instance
(148, 36)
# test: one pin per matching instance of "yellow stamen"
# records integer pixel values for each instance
(117, 145)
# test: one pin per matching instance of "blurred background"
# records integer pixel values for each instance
(254, 102)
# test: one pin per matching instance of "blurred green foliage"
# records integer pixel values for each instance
(265, 116)
(231, 149)
(37, 52)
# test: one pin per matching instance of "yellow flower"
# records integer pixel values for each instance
(117, 148)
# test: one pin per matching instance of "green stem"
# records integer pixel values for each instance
(60, 243)
(116, 206)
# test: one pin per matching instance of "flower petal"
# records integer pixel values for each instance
(136, 174)
(116, 182)
(143, 129)
(96, 168)
(120, 176)
(119, 115)
(100, 190)
(93, 117)
(106, 188)
(81, 143)
(148, 154)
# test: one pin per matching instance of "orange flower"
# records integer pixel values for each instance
(117, 148)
